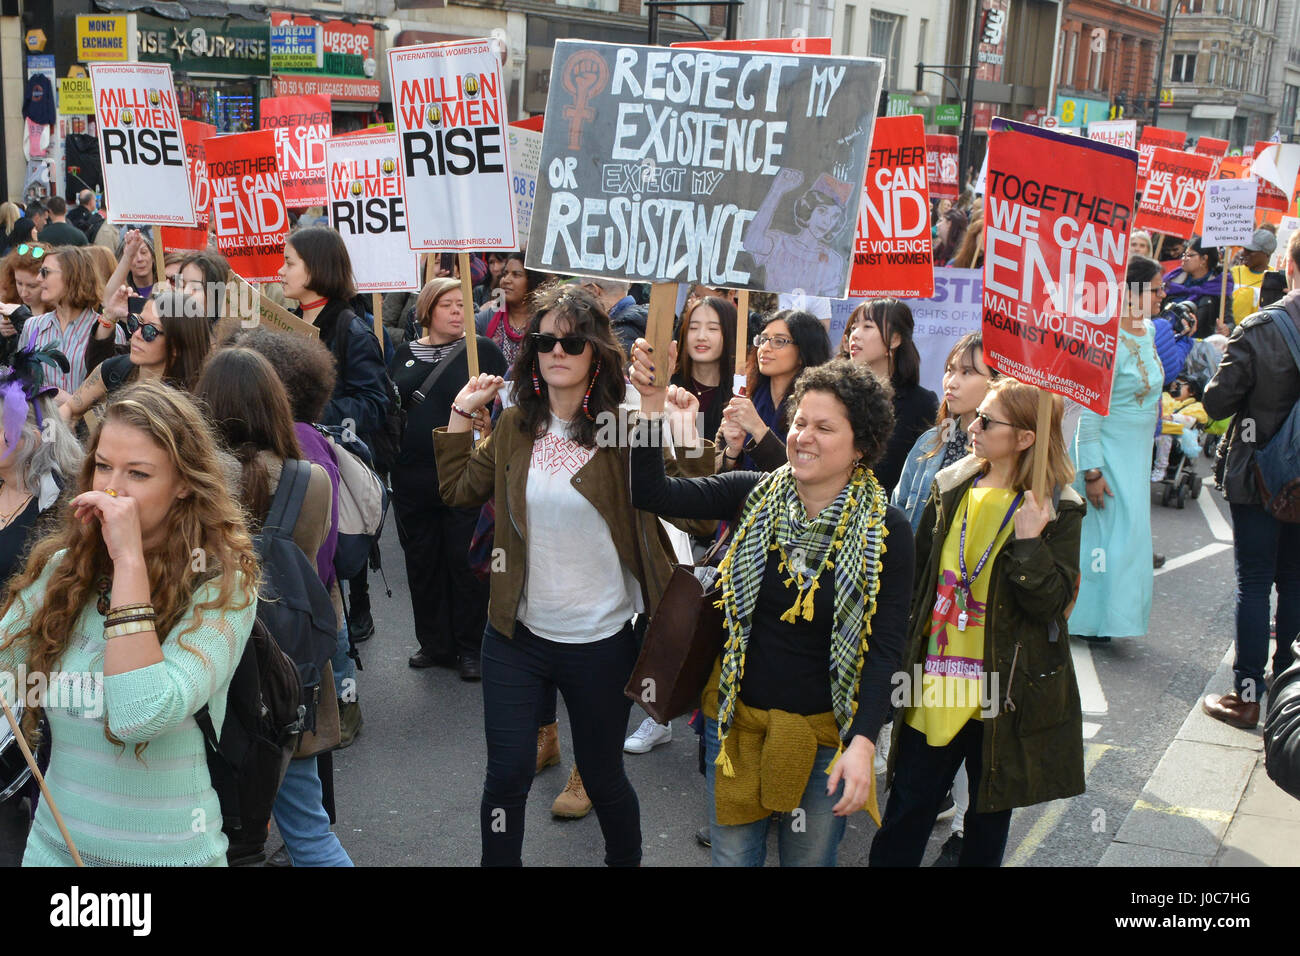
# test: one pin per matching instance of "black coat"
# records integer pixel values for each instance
(1282, 728)
(359, 395)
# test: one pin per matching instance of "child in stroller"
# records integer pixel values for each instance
(1178, 445)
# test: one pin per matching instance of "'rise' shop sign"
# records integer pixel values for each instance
(449, 103)
(141, 146)
(206, 44)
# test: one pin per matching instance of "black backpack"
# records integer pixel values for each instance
(277, 682)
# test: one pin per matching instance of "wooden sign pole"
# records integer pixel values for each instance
(377, 307)
(1223, 284)
(659, 328)
(40, 778)
(471, 334)
(742, 341)
(1042, 436)
(159, 258)
(1160, 241)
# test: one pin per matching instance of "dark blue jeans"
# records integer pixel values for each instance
(1267, 552)
(516, 674)
(922, 776)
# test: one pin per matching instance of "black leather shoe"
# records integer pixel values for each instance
(361, 627)
(470, 668)
(423, 659)
(280, 858)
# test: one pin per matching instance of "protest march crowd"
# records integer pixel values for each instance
(862, 590)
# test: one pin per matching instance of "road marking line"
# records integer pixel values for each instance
(1091, 697)
(1194, 813)
(1090, 730)
(1219, 526)
(1055, 810)
(1191, 557)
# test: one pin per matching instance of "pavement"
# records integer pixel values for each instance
(1209, 801)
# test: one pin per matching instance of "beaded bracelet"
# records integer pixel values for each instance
(125, 630)
(460, 411)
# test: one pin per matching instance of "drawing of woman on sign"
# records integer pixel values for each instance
(805, 260)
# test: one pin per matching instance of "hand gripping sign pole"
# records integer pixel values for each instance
(40, 781)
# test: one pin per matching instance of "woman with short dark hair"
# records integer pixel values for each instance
(1200, 281)
(504, 319)
(879, 335)
(752, 437)
(809, 680)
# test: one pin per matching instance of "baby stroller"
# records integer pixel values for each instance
(1181, 480)
(1182, 418)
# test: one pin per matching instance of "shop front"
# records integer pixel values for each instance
(333, 58)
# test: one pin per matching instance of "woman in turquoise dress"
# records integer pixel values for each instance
(1112, 456)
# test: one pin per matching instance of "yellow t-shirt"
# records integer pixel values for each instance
(1245, 292)
(953, 675)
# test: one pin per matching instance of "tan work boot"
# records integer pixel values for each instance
(350, 722)
(548, 746)
(573, 802)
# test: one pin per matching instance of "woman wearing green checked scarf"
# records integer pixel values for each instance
(815, 591)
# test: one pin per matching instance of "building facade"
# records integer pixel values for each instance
(1106, 60)
(1284, 75)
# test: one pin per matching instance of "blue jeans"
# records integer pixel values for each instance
(1266, 552)
(345, 668)
(808, 838)
(517, 672)
(302, 820)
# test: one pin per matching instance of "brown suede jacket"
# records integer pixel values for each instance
(469, 474)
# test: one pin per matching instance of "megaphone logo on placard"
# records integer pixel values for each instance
(356, 187)
(154, 98)
(389, 166)
(471, 84)
(434, 116)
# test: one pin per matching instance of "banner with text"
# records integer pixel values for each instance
(1216, 149)
(141, 146)
(1229, 212)
(1175, 188)
(248, 209)
(450, 107)
(1116, 132)
(731, 169)
(1056, 221)
(941, 159)
(183, 237)
(367, 208)
(301, 124)
(951, 311)
(892, 254)
(1153, 137)
(525, 150)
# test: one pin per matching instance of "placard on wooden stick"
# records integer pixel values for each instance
(467, 309)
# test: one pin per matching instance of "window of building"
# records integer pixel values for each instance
(886, 42)
(1214, 68)
(846, 43)
(1184, 68)
(1071, 58)
(922, 37)
(1290, 100)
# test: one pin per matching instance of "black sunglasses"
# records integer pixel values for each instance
(148, 331)
(985, 422)
(572, 344)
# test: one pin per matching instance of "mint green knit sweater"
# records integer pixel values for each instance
(160, 809)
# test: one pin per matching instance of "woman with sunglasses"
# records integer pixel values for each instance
(995, 573)
(170, 340)
(449, 601)
(20, 293)
(1113, 456)
(1200, 281)
(577, 562)
(752, 436)
(70, 285)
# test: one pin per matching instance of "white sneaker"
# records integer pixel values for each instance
(647, 737)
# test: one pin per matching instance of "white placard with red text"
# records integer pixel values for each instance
(368, 209)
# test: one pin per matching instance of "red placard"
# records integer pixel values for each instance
(1151, 138)
(818, 46)
(248, 210)
(301, 125)
(183, 237)
(1215, 148)
(1174, 191)
(1057, 215)
(941, 151)
(892, 254)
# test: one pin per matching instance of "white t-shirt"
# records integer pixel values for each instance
(577, 591)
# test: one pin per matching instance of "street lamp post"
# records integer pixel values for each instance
(968, 111)
(1160, 67)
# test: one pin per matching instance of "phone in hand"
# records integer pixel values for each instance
(134, 304)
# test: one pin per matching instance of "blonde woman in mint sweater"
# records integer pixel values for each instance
(137, 609)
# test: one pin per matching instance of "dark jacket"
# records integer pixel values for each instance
(628, 321)
(1033, 748)
(468, 475)
(1282, 728)
(359, 394)
(915, 411)
(1258, 383)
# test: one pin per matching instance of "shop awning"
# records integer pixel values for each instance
(186, 10)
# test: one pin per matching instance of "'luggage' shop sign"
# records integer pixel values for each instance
(206, 44)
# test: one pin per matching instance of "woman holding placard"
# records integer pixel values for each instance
(577, 562)
(752, 436)
(995, 572)
(448, 599)
(1112, 454)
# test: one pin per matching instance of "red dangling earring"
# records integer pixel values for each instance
(537, 386)
(587, 398)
